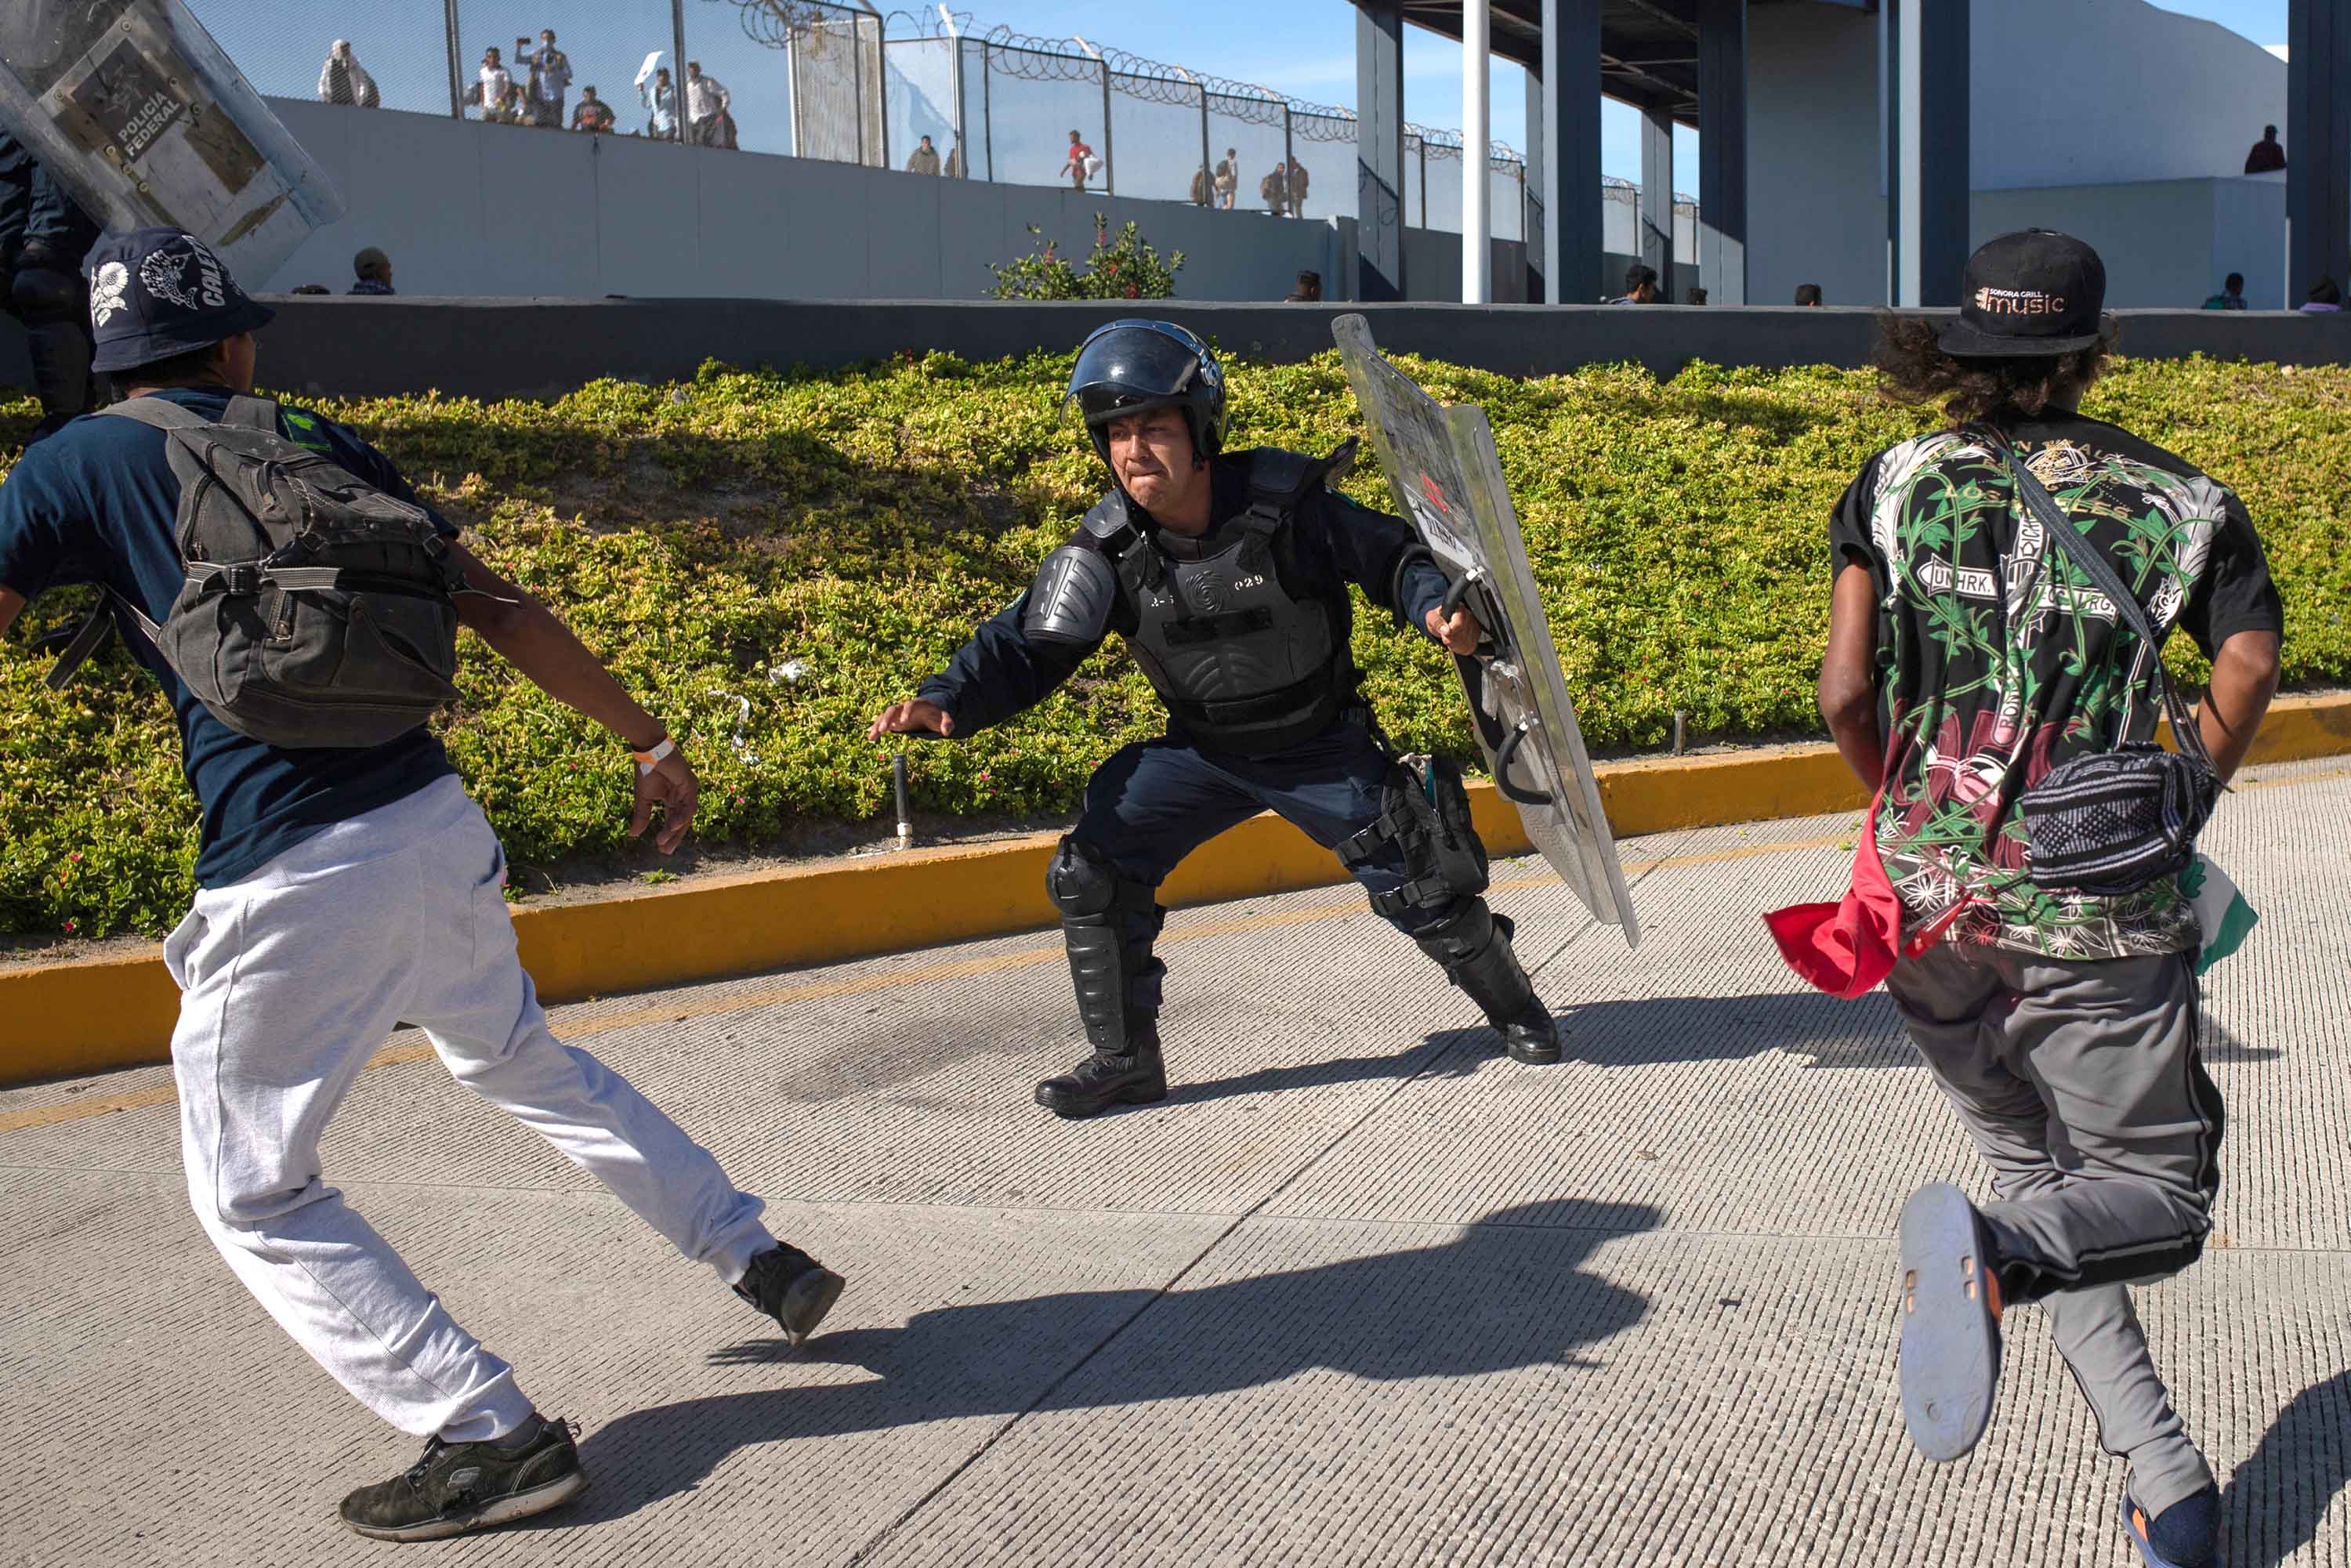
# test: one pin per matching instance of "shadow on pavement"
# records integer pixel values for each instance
(1510, 1292)
(2279, 1496)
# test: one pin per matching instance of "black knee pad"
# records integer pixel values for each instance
(1080, 881)
(44, 294)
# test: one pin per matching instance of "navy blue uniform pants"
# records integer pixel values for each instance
(1154, 803)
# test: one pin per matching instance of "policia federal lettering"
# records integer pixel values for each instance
(1227, 575)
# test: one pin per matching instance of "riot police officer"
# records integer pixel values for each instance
(43, 237)
(1226, 574)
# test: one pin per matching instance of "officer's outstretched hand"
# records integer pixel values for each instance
(915, 717)
(1461, 635)
(673, 787)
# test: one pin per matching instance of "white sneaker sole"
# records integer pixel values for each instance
(502, 1511)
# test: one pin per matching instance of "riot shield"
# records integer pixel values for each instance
(1447, 478)
(137, 112)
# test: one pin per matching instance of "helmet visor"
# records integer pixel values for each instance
(1131, 364)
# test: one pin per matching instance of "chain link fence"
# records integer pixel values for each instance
(842, 82)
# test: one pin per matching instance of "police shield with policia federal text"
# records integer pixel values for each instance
(1226, 574)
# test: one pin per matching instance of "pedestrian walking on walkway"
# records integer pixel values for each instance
(347, 884)
(1227, 574)
(2001, 589)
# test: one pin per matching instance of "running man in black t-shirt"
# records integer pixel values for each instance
(339, 895)
(1969, 657)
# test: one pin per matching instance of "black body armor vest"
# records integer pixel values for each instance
(1245, 658)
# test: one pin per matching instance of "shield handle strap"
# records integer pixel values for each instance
(1502, 758)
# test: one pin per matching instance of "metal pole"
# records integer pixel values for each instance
(1477, 136)
(677, 70)
(986, 114)
(882, 83)
(857, 87)
(962, 137)
(1424, 182)
(1208, 164)
(457, 91)
(1110, 163)
(1289, 166)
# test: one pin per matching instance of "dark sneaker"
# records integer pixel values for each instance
(1951, 1322)
(1105, 1079)
(1531, 1035)
(792, 1287)
(2184, 1536)
(459, 1486)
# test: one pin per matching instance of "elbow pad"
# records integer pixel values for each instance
(1070, 599)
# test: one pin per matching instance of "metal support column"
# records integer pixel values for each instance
(1379, 149)
(1477, 153)
(2318, 146)
(677, 70)
(1110, 166)
(456, 74)
(1722, 150)
(1923, 82)
(1569, 182)
(1289, 165)
(1656, 209)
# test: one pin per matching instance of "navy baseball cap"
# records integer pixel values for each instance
(157, 292)
(2029, 293)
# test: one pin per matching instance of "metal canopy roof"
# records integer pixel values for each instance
(1648, 48)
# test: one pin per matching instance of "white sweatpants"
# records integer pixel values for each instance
(290, 980)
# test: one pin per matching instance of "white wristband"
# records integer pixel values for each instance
(649, 760)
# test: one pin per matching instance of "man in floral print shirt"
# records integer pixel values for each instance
(1966, 658)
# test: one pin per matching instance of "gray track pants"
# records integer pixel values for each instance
(2081, 1085)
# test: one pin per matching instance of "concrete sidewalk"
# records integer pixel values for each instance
(1361, 1291)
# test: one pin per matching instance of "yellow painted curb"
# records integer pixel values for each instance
(80, 1015)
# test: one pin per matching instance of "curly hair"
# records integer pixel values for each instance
(1913, 368)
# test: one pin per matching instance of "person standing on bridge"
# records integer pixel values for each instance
(2044, 963)
(1226, 573)
(346, 882)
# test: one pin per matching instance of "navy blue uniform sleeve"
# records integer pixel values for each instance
(1000, 673)
(1380, 554)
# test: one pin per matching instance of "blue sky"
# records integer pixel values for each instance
(1307, 50)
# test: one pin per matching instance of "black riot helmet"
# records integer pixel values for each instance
(1133, 366)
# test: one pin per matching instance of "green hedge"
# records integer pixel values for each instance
(812, 546)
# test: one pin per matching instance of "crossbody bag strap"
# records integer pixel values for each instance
(2106, 580)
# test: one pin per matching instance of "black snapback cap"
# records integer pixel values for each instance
(2033, 292)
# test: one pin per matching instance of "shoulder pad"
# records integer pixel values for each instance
(1108, 519)
(1071, 598)
(1284, 477)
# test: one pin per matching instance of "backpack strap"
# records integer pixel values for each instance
(91, 637)
(251, 412)
(161, 412)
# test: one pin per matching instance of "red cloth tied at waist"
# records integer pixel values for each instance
(1846, 949)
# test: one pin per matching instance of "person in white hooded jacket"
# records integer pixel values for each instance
(343, 79)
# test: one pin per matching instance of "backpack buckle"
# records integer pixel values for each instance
(244, 579)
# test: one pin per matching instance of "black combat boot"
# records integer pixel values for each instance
(1474, 945)
(1134, 1076)
(1109, 924)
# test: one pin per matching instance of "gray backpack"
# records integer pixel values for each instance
(317, 610)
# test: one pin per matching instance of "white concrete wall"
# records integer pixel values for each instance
(2166, 243)
(1814, 212)
(465, 208)
(2124, 124)
(2090, 93)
